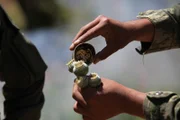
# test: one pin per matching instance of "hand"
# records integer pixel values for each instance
(107, 101)
(116, 34)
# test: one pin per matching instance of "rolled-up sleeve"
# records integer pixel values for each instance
(167, 29)
(162, 105)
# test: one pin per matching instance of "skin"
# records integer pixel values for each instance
(92, 103)
(117, 34)
(107, 101)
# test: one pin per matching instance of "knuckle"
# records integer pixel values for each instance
(75, 108)
(74, 94)
(103, 18)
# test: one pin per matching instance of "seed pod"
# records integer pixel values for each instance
(85, 52)
(94, 80)
(70, 65)
(80, 68)
(82, 81)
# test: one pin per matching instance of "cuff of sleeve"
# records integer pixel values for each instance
(159, 105)
(165, 34)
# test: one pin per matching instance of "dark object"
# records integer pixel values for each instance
(85, 52)
(20, 58)
(23, 71)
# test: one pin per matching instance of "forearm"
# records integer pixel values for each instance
(141, 30)
(135, 105)
(133, 100)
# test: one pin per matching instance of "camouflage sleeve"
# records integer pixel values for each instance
(167, 29)
(162, 105)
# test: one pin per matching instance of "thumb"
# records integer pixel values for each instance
(78, 96)
(103, 54)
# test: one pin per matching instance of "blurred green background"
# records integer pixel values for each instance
(51, 26)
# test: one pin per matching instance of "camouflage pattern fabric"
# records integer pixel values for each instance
(167, 29)
(162, 105)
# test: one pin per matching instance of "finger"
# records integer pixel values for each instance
(103, 54)
(79, 109)
(86, 28)
(89, 93)
(92, 33)
(86, 118)
(78, 96)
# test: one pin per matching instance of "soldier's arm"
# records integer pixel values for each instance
(23, 72)
(162, 105)
(167, 29)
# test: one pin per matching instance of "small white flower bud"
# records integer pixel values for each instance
(70, 65)
(80, 68)
(94, 80)
(82, 81)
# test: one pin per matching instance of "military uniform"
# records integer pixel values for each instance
(23, 71)
(162, 105)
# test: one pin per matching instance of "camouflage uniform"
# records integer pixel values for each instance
(23, 72)
(162, 105)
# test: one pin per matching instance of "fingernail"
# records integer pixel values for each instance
(72, 46)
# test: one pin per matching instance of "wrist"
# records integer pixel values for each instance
(130, 101)
(141, 30)
(133, 101)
